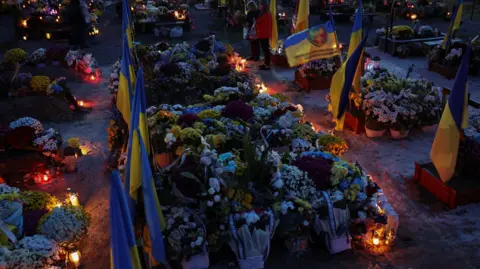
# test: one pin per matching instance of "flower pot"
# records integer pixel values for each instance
(374, 133)
(199, 261)
(429, 128)
(398, 134)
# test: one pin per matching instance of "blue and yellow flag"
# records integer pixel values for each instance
(133, 174)
(127, 23)
(454, 25)
(126, 82)
(342, 83)
(153, 212)
(302, 14)
(355, 40)
(124, 252)
(318, 42)
(273, 11)
(454, 119)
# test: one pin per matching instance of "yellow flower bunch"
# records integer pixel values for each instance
(247, 201)
(209, 113)
(176, 130)
(332, 144)
(402, 28)
(216, 140)
(351, 193)
(229, 50)
(40, 84)
(15, 56)
(200, 126)
(339, 172)
(208, 98)
(35, 200)
(190, 134)
(97, 12)
(73, 142)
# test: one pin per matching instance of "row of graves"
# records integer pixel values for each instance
(48, 19)
(237, 168)
(161, 17)
(395, 106)
(41, 230)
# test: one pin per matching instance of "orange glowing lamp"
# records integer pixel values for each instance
(72, 197)
(74, 258)
(413, 16)
(24, 23)
(48, 35)
(81, 103)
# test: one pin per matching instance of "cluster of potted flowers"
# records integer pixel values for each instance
(147, 14)
(398, 104)
(28, 134)
(42, 231)
(446, 62)
(245, 164)
(317, 74)
(183, 73)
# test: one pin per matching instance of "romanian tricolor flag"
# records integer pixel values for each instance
(126, 82)
(273, 11)
(127, 23)
(454, 119)
(124, 252)
(153, 212)
(342, 83)
(318, 42)
(355, 40)
(454, 25)
(302, 13)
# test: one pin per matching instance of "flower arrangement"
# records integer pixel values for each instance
(321, 67)
(34, 252)
(64, 224)
(185, 233)
(15, 56)
(113, 79)
(40, 84)
(245, 158)
(38, 56)
(28, 122)
(35, 200)
(332, 144)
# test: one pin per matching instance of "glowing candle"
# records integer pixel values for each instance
(48, 36)
(74, 258)
(376, 241)
(81, 103)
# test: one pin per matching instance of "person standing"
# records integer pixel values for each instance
(252, 15)
(78, 22)
(263, 27)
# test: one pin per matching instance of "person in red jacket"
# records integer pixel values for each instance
(263, 27)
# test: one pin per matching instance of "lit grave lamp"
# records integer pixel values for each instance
(41, 18)
(72, 197)
(413, 16)
(48, 35)
(25, 37)
(24, 23)
(70, 159)
(74, 257)
(179, 15)
(262, 88)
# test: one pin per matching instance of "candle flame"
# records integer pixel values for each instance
(376, 241)
(81, 103)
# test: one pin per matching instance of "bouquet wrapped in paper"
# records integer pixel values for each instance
(251, 232)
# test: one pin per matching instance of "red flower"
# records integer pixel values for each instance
(238, 110)
(21, 137)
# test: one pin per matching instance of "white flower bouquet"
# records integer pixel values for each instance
(38, 56)
(64, 224)
(320, 68)
(186, 237)
(29, 122)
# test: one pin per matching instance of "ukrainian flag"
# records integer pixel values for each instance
(127, 23)
(335, 31)
(124, 252)
(153, 212)
(355, 40)
(273, 11)
(318, 42)
(454, 119)
(342, 83)
(133, 180)
(126, 82)
(303, 11)
(454, 25)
